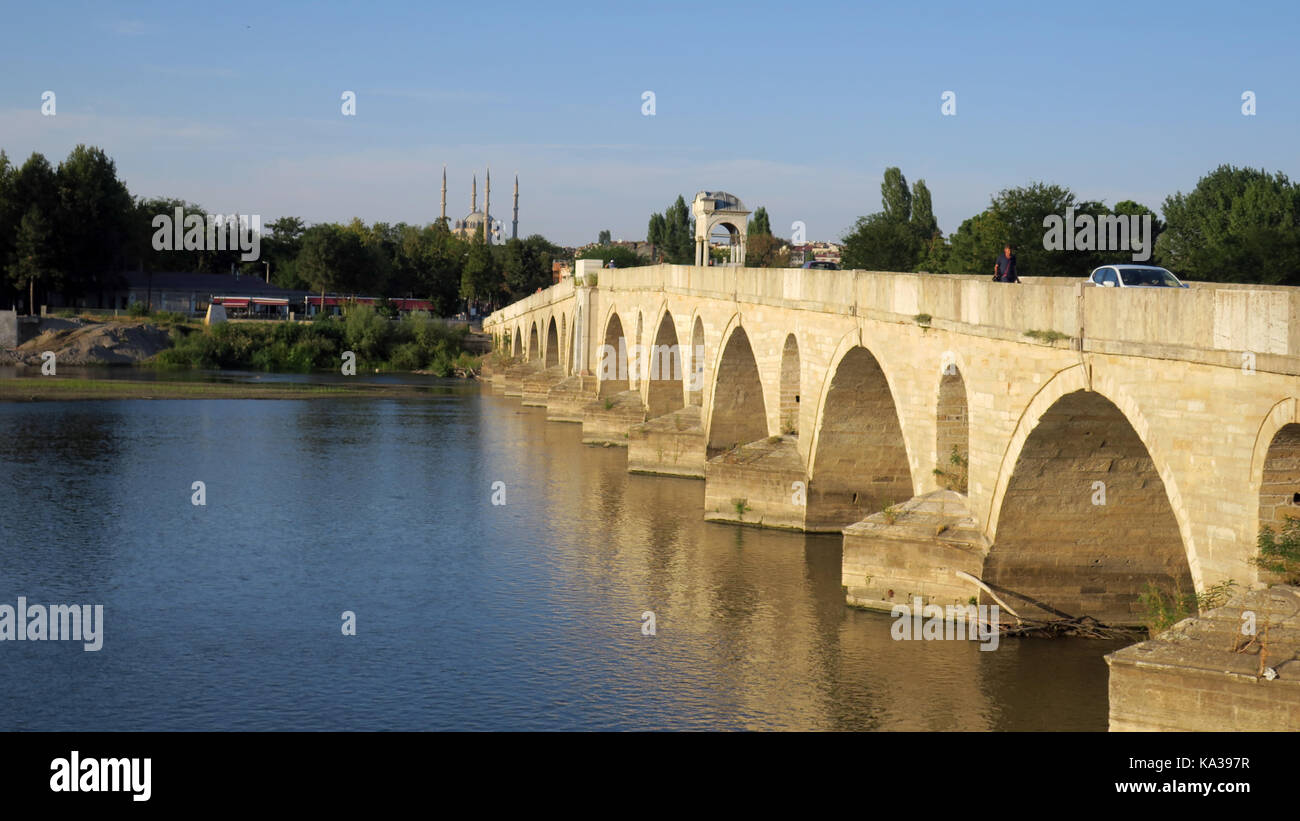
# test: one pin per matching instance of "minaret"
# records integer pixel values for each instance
(443, 219)
(487, 209)
(514, 225)
(473, 195)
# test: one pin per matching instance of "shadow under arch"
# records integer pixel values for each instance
(611, 357)
(664, 393)
(552, 345)
(739, 413)
(858, 461)
(1083, 519)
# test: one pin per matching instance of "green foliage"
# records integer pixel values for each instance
(603, 238)
(1049, 337)
(956, 476)
(896, 238)
(766, 251)
(623, 257)
(673, 233)
(922, 219)
(1162, 609)
(891, 513)
(759, 225)
(923, 320)
(137, 309)
(1279, 553)
(895, 196)
(1237, 225)
(415, 343)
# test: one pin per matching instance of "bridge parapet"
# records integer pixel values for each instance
(1212, 323)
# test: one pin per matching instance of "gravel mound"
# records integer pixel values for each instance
(82, 342)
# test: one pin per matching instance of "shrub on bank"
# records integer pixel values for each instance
(416, 342)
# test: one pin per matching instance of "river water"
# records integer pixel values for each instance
(468, 614)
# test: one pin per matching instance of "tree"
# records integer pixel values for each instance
(672, 233)
(1237, 225)
(890, 239)
(896, 198)
(480, 272)
(333, 259)
(93, 221)
(923, 221)
(280, 248)
(759, 225)
(623, 257)
(656, 234)
(34, 257)
(603, 238)
(880, 243)
(766, 251)
(1016, 216)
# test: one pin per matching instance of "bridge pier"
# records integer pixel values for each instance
(566, 399)
(1236, 667)
(914, 549)
(512, 379)
(535, 386)
(761, 484)
(669, 445)
(607, 420)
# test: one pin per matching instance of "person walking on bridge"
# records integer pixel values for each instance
(1004, 270)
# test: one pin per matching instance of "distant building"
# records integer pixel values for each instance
(468, 227)
(816, 251)
(191, 293)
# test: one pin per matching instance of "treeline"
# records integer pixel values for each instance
(74, 229)
(1237, 225)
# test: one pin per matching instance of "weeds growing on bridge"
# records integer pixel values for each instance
(1162, 610)
(955, 477)
(1050, 337)
(1280, 553)
(923, 320)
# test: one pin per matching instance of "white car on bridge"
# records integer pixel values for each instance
(1134, 276)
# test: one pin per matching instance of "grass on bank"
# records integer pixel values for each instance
(46, 388)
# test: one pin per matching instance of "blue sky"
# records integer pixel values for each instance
(795, 107)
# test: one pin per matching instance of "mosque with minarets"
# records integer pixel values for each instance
(470, 225)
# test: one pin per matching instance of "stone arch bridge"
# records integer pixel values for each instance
(1066, 444)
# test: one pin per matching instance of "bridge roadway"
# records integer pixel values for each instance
(1142, 436)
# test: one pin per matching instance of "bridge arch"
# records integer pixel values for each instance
(698, 360)
(1085, 513)
(552, 345)
(858, 461)
(664, 392)
(636, 357)
(611, 359)
(573, 340)
(952, 427)
(791, 378)
(565, 348)
(739, 414)
(518, 350)
(534, 347)
(1275, 466)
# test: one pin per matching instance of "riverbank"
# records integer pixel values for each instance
(59, 389)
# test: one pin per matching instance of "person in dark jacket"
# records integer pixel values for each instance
(1004, 270)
